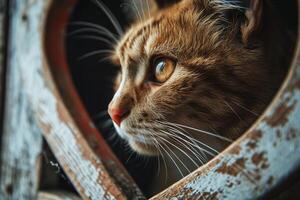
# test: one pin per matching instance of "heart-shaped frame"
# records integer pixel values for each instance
(261, 153)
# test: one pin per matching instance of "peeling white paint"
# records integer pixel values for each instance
(29, 90)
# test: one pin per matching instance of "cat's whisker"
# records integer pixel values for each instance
(113, 136)
(140, 2)
(203, 144)
(213, 153)
(97, 38)
(185, 142)
(107, 124)
(198, 130)
(107, 58)
(167, 153)
(137, 10)
(102, 51)
(241, 169)
(91, 30)
(156, 144)
(101, 114)
(148, 7)
(182, 151)
(234, 112)
(94, 26)
(110, 16)
(164, 160)
(193, 150)
(176, 156)
(178, 131)
(129, 157)
(246, 109)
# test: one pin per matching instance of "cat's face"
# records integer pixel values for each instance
(185, 66)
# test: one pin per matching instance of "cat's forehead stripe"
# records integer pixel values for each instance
(129, 41)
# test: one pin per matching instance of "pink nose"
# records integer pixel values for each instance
(118, 115)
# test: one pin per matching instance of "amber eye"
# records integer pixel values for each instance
(163, 68)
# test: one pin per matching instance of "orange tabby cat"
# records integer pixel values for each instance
(194, 75)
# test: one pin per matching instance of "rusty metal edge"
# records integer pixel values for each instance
(261, 160)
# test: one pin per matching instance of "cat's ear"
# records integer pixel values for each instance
(253, 20)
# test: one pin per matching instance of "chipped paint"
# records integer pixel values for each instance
(21, 139)
(249, 168)
(39, 95)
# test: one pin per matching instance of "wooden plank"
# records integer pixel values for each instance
(56, 195)
(32, 92)
(117, 179)
(2, 55)
(21, 139)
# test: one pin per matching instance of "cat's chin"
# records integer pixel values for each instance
(143, 149)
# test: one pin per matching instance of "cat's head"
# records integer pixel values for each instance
(187, 65)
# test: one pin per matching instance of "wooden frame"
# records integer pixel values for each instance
(41, 100)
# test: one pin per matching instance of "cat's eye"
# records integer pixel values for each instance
(163, 68)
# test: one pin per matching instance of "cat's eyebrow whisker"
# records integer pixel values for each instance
(110, 16)
(140, 2)
(92, 30)
(137, 10)
(102, 51)
(97, 38)
(198, 130)
(107, 58)
(94, 26)
(148, 7)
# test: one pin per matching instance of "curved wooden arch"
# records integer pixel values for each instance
(249, 168)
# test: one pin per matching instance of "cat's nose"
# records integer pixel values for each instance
(118, 115)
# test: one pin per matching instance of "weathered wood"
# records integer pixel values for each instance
(56, 195)
(21, 139)
(3, 14)
(116, 177)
